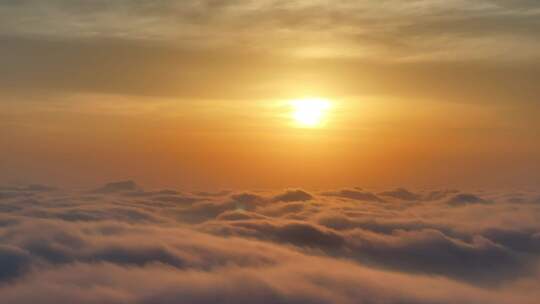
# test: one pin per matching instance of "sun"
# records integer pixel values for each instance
(309, 112)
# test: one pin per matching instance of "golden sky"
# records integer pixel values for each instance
(200, 94)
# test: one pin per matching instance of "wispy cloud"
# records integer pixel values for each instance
(386, 30)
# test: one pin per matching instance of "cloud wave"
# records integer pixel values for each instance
(132, 246)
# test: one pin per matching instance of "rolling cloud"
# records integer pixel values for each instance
(128, 245)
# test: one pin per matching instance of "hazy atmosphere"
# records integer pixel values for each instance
(209, 151)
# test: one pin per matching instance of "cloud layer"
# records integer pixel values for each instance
(122, 244)
(485, 50)
(412, 29)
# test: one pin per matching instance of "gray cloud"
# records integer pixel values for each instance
(118, 187)
(354, 195)
(293, 196)
(465, 199)
(14, 262)
(402, 194)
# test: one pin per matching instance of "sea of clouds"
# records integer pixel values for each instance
(122, 244)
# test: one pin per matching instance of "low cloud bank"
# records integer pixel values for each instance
(122, 244)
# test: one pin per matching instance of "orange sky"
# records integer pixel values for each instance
(258, 144)
(198, 96)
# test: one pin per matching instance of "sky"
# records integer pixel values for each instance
(197, 94)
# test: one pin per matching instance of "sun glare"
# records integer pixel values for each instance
(309, 112)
